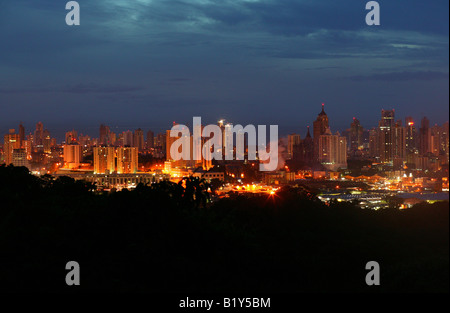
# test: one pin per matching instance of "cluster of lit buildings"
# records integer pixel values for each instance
(393, 143)
(121, 159)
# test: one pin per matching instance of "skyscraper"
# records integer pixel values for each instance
(21, 134)
(138, 139)
(425, 137)
(333, 150)
(293, 141)
(127, 160)
(72, 155)
(104, 160)
(320, 126)
(11, 142)
(104, 135)
(150, 143)
(39, 134)
(411, 140)
(356, 135)
(386, 136)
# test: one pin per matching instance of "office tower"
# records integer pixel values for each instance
(19, 157)
(333, 150)
(293, 141)
(127, 160)
(21, 134)
(411, 140)
(72, 155)
(47, 142)
(150, 143)
(386, 136)
(399, 144)
(435, 145)
(320, 126)
(104, 135)
(11, 142)
(39, 134)
(356, 135)
(138, 139)
(425, 137)
(104, 160)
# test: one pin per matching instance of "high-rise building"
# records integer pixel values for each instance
(72, 155)
(138, 139)
(293, 141)
(71, 137)
(19, 158)
(104, 135)
(411, 140)
(399, 144)
(39, 134)
(21, 134)
(356, 135)
(11, 142)
(333, 150)
(128, 137)
(320, 126)
(425, 137)
(104, 160)
(127, 160)
(150, 143)
(386, 136)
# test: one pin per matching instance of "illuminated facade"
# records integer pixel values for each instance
(104, 160)
(127, 160)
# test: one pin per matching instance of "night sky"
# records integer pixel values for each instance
(147, 63)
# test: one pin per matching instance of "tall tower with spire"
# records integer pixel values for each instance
(320, 126)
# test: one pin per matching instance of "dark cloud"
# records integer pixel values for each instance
(267, 61)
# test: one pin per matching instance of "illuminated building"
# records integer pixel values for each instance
(128, 137)
(320, 126)
(333, 150)
(293, 140)
(386, 137)
(104, 160)
(39, 134)
(138, 139)
(72, 155)
(19, 158)
(71, 137)
(356, 135)
(105, 135)
(127, 160)
(411, 141)
(11, 142)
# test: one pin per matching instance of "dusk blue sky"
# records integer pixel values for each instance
(147, 63)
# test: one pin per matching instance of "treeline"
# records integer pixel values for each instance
(170, 238)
